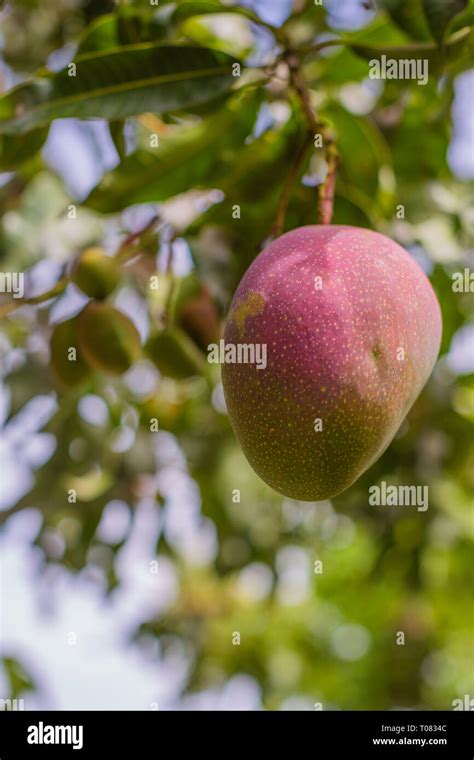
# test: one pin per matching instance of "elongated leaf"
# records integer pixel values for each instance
(102, 34)
(439, 13)
(420, 51)
(430, 146)
(203, 7)
(263, 164)
(116, 129)
(194, 158)
(199, 8)
(362, 148)
(129, 25)
(409, 16)
(126, 26)
(466, 18)
(119, 83)
(16, 149)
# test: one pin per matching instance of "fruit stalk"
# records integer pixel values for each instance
(315, 126)
(128, 247)
(328, 187)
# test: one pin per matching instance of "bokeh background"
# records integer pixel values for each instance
(131, 597)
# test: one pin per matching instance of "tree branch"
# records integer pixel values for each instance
(315, 126)
(13, 305)
(314, 49)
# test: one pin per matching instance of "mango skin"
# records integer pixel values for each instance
(68, 374)
(354, 353)
(95, 273)
(109, 340)
(174, 354)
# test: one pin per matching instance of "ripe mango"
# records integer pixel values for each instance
(109, 340)
(67, 362)
(352, 330)
(95, 273)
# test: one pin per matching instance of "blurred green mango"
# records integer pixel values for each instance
(67, 361)
(95, 273)
(109, 340)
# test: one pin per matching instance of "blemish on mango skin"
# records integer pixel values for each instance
(252, 306)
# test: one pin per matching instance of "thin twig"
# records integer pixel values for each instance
(124, 251)
(278, 33)
(290, 180)
(13, 305)
(126, 248)
(328, 187)
(301, 89)
(314, 49)
(169, 274)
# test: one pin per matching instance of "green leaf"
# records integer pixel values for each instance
(439, 13)
(195, 157)
(19, 679)
(408, 15)
(174, 354)
(101, 34)
(119, 83)
(466, 18)
(135, 26)
(16, 149)
(116, 129)
(362, 148)
(202, 7)
(126, 26)
(454, 46)
(355, 211)
(345, 66)
(430, 147)
(199, 8)
(452, 318)
(263, 165)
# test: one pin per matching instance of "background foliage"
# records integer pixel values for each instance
(181, 142)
